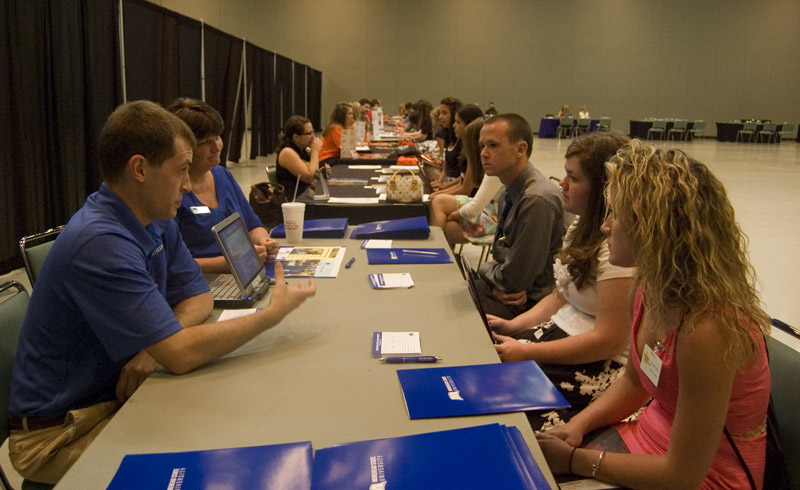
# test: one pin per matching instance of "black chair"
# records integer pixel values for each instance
(784, 366)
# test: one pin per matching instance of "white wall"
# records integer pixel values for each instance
(714, 60)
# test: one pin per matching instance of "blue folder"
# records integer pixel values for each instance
(408, 255)
(278, 467)
(487, 456)
(316, 228)
(410, 228)
(478, 389)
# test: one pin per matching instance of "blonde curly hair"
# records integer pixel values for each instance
(692, 255)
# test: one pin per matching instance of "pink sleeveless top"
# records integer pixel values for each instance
(747, 409)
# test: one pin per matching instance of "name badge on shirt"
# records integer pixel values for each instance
(200, 209)
(651, 365)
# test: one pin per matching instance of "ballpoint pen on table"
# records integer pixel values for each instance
(421, 252)
(398, 360)
(349, 263)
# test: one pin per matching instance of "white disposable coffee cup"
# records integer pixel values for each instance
(293, 220)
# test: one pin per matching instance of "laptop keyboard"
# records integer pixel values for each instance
(225, 287)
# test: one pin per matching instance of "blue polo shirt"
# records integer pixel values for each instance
(106, 292)
(195, 219)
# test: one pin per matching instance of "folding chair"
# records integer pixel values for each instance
(35, 248)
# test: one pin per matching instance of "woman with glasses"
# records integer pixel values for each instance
(298, 155)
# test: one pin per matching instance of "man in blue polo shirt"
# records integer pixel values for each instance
(116, 296)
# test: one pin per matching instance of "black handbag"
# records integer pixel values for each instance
(266, 199)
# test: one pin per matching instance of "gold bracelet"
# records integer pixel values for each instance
(596, 465)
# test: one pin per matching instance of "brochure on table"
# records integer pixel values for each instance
(395, 343)
(478, 389)
(408, 228)
(274, 467)
(301, 261)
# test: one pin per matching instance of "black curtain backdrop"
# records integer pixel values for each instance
(162, 53)
(300, 89)
(283, 103)
(62, 62)
(263, 131)
(314, 96)
(223, 59)
(61, 58)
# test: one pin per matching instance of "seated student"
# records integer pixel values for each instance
(564, 112)
(490, 111)
(454, 157)
(420, 125)
(341, 118)
(583, 113)
(118, 295)
(462, 217)
(215, 194)
(298, 156)
(447, 140)
(697, 347)
(530, 224)
(579, 333)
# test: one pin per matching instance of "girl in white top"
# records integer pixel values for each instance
(579, 333)
(465, 218)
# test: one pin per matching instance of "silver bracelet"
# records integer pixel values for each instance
(596, 465)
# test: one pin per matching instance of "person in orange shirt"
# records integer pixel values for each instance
(341, 117)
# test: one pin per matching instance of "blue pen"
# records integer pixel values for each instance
(349, 263)
(400, 360)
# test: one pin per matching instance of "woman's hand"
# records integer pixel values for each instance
(316, 145)
(556, 451)
(500, 325)
(510, 349)
(569, 433)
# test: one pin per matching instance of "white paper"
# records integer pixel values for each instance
(354, 200)
(231, 314)
(364, 167)
(392, 281)
(377, 244)
(400, 343)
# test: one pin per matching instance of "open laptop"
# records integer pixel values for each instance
(247, 282)
(473, 290)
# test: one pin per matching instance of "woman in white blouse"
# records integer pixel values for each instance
(579, 333)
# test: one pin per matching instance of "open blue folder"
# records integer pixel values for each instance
(487, 456)
(278, 467)
(408, 256)
(316, 228)
(410, 228)
(478, 389)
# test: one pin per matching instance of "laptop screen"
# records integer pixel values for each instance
(238, 249)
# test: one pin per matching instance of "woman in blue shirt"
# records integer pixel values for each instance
(215, 193)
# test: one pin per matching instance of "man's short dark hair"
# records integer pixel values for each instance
(139, 128)
(203, 119)
(518, 129)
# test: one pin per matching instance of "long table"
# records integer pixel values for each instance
(727, 131)
(311, 378)
(548, 126)
(360, 213)
(639, 129)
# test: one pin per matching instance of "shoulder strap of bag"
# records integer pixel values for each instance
(740, 458)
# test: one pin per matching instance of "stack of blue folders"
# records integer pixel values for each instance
(275, 467)
(316, 228)
(478, 389)
(487, 456)
(409, 228)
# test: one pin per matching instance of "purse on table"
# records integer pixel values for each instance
(404, 188)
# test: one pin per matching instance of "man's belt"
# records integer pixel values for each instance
(34, 422)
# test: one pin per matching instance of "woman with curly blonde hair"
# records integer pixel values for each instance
(697, 349)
